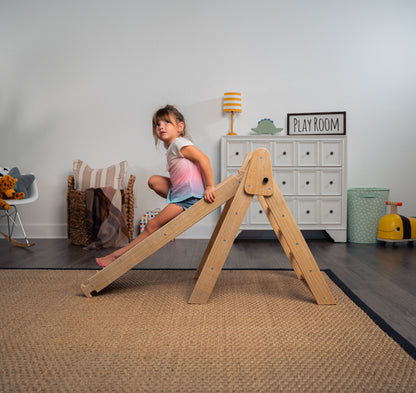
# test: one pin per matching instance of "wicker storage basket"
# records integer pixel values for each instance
(76, 213)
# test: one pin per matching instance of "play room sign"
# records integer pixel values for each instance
(325, 123)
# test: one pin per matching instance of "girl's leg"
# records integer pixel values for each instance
(160, 185)
(166, 215)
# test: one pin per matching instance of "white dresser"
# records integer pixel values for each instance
(309, 171)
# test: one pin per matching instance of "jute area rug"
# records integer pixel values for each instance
(260, 332)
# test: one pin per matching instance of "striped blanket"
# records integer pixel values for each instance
(106, 218)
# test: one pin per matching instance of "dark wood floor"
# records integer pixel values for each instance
(383, 277)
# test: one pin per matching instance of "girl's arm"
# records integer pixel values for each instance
(194, 154)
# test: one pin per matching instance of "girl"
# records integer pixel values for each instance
(190, 173)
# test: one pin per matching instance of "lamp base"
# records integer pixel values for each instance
(231, 133)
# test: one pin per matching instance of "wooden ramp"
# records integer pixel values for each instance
(254, 178)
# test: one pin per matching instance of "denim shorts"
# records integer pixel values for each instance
(187, 203)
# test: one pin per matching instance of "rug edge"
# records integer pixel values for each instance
(406, 345)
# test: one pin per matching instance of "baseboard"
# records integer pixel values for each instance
(39, 231)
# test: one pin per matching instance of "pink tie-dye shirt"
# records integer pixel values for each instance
(185, 175)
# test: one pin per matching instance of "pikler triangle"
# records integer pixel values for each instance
(255, 178)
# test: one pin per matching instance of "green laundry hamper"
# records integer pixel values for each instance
(365, 207)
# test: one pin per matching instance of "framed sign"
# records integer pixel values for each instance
(322, 123)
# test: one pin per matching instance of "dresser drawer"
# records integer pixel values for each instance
(258, 216)
(307, 154)
(308, 211)
(331, 153)
(236, 152)
(286, 181)
(331, 182)
(331, 211)
(308, 182)
(284, 154)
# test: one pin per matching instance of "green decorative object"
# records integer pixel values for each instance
(365, 207)
(266, 126)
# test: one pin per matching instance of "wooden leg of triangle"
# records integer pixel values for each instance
(296, 247)
(220, 246)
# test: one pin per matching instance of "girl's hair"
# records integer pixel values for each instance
(168, 113)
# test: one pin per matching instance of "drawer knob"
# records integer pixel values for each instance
(307, 153)
(260, 211)
(284, 153)
(331, 211)
(331, 182)
(237, 153)
(283, 182)
(265, 180)
(307, 211)
(307, 182)
(332, 153)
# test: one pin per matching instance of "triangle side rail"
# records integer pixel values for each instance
(241, 172)
(224, 191)
(298, 247)
(221, 246)
(220, 221)
(213, 238)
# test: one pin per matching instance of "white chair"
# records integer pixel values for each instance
(13, 217)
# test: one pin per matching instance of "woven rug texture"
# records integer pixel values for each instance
(260, 332)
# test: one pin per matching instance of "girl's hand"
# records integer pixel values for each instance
(209, 194)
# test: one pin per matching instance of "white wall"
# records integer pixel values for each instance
(81, 79)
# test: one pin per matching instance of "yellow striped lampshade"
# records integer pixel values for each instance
(232, 102)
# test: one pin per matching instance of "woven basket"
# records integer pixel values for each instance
(78, 232)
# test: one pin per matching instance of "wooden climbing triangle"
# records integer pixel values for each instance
(255, 178)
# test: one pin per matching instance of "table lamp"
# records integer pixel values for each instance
(232, 103)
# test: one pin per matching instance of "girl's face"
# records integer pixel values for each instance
(168, 130)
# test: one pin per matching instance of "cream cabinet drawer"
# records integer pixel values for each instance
(284, 154)
(331, 153)
(259, 217)
(331, 182)
(308, 211)
(331, 211)
(308, 154)
(308, 182)
(286, 181)
(236, 152)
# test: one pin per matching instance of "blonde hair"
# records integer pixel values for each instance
(168, 113)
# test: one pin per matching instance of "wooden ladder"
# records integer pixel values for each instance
(255, 177)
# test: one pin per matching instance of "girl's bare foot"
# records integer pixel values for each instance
(105, 261)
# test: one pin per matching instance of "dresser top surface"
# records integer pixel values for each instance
(276, 138)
